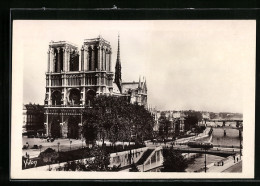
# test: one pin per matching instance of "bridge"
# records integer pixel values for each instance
(216, 146)
(229, 146)
(226, 120)
(237, 121)
(213, 151)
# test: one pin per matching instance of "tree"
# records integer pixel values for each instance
(197, 114)
(134, 168)
(173, 161)
(114, 133)
(164, 127)
(190, 122)
(89, 128)
(100, 162)
(49, 156)
(212, 115)
(199, 129)
(115, 119)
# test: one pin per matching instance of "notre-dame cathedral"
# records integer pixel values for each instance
(74, 78)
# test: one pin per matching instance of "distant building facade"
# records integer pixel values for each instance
(33, 119)
(136, 92)
(176, 119)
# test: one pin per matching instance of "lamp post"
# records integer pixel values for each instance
(70, 145)
(46, 127)
(49, 163)
(40, 147)
(205, 161)
(58, 146)
(59, 153)
(82, 139)
(240, 139)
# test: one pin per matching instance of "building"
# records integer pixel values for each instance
(33, 119)
(179, 118)
(74, 78)
(136, 92)
(176, 119)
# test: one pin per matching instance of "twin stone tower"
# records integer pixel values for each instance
(73, 80)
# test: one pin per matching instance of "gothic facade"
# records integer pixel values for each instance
(176, 119)
(136, 92)
(74, 77)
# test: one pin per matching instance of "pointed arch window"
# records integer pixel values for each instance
(74, 61)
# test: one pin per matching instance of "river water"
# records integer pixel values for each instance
(218, 138)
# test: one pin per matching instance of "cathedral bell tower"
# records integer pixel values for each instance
(61, 75)
(72, 84)
(96, 67)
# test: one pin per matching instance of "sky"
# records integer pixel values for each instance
(188, 64)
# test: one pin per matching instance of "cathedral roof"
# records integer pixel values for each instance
(62, 43)
(129, 85)
(96, 40)
(132, 85)
(116, 89)
(33, 107)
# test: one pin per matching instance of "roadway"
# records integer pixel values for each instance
(235, 168)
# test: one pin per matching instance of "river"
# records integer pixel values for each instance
(218, 138)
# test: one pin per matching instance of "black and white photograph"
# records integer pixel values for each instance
(133, 99)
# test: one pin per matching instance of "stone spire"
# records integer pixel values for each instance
(118, 48)
(139, 84)
(118, 79)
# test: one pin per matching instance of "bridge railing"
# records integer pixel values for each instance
(228, 146)
(208, 151)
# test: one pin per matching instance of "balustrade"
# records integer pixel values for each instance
(74, 81)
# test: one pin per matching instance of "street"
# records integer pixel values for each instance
(235, 168)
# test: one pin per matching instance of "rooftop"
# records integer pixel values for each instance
(98, 39)
(62, 43)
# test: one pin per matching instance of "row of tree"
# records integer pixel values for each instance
(115, 119)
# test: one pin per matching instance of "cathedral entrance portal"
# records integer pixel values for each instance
(73, 128)
(55, 128)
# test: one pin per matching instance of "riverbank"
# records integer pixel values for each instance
(227, 165)
(214, 163)
(224, 165)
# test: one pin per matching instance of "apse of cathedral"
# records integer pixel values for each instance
(75, 76)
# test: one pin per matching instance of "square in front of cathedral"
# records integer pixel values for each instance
(145, 99)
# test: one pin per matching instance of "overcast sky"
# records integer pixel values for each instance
(199, 65)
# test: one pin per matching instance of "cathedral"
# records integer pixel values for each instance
(74, 78)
